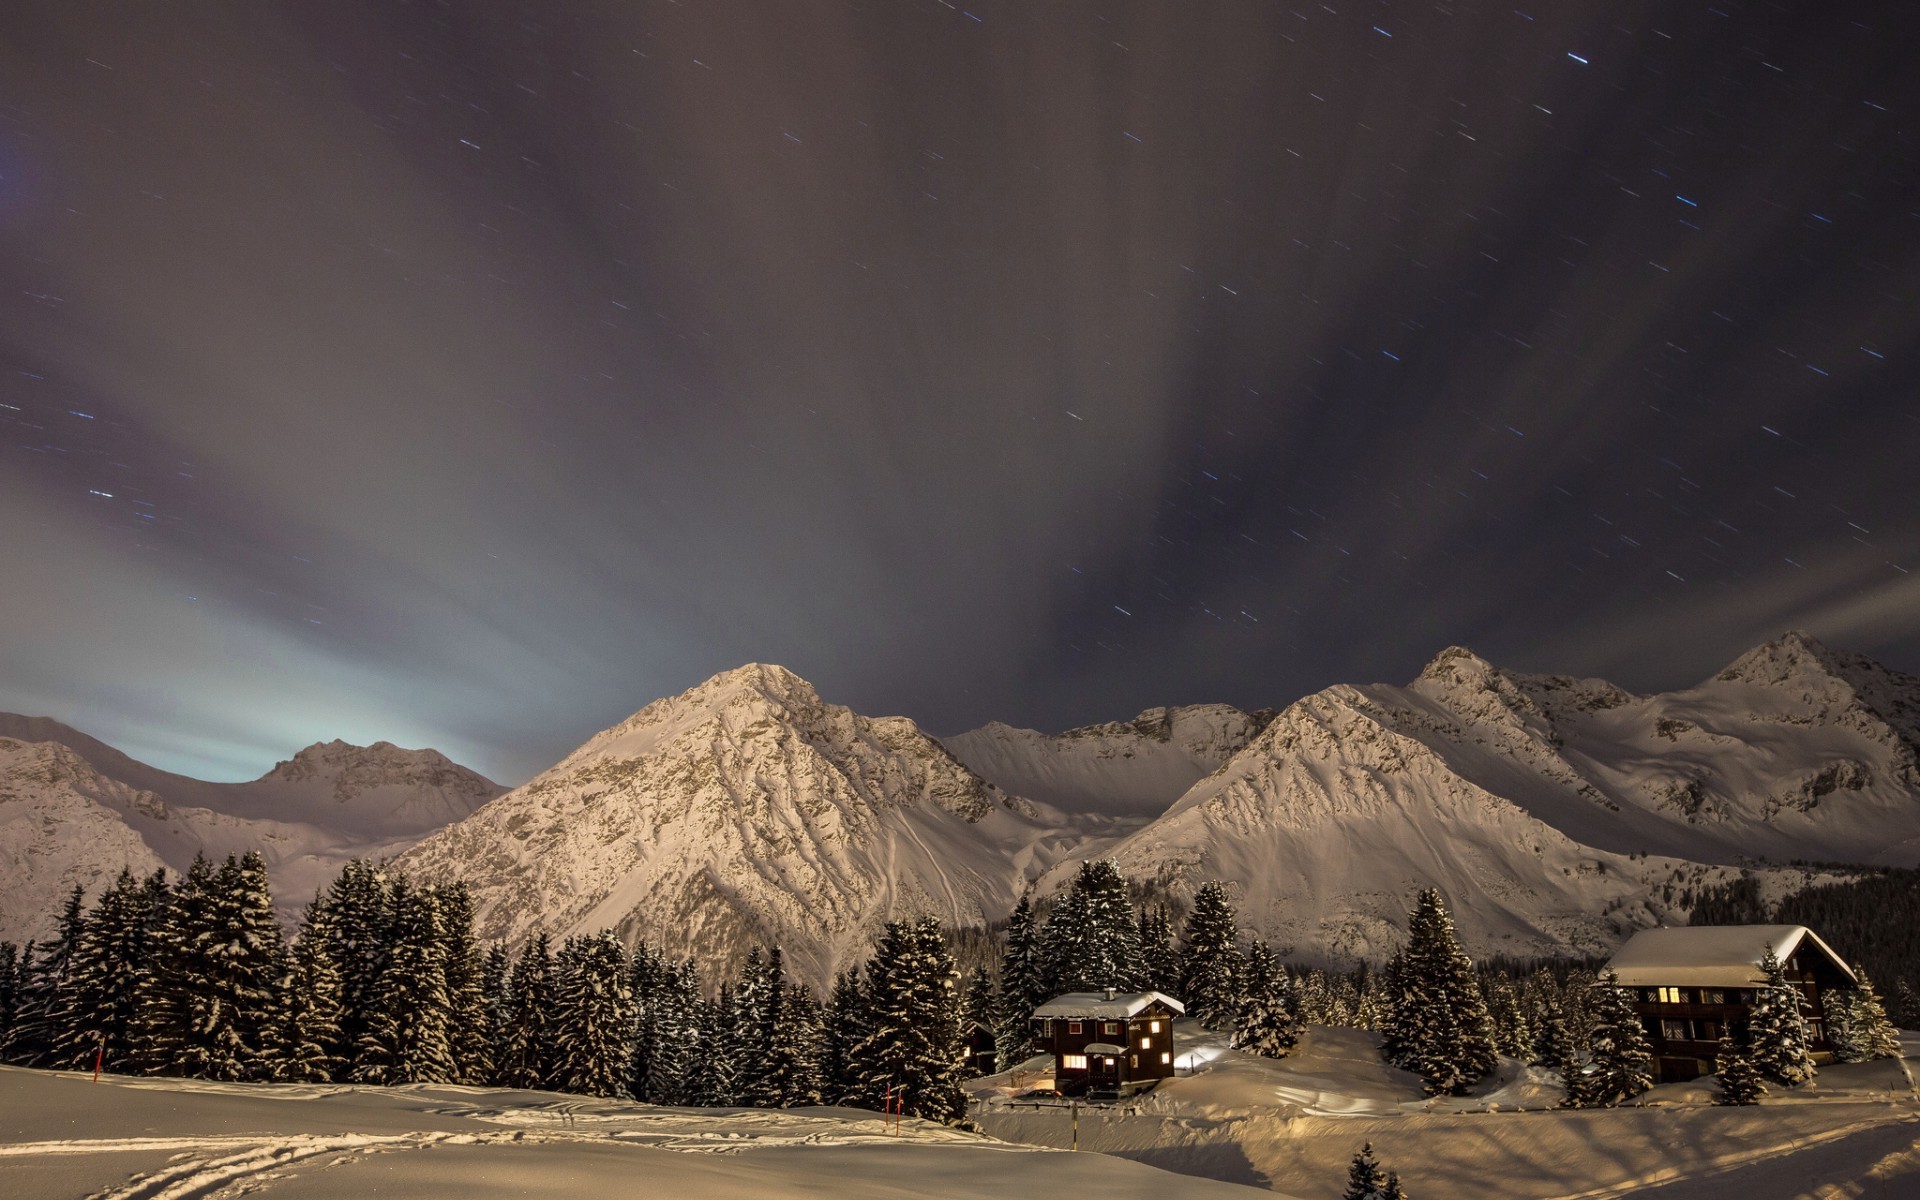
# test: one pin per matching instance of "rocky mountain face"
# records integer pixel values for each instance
(74, 811)
(747, 810)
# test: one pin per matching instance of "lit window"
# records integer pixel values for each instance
(1073, 1062)
(1073, 1027)
(1166, 1056)
(1155, 1027)
(1133, 1060)
(1670, 995)
(1146, 1043)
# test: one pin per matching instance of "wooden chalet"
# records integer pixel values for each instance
(981, 1053)
(1121, 1042)
(1693, 984)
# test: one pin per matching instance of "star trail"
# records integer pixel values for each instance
(471, 374)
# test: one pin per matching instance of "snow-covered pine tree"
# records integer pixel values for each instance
(358, 904)
(676, 1015)
(1512, 1032)
(1619, 1057)
(1837, 1004)
(95, 1014)
(528, 1057)
(843, 1024)
(1553, 1042)
(757, 999)
(496, 1000)
(467, 1027)
(912, 1047)
(406, 1039)
(1781, 1043)
(208, 990)
(1159, 961)
(1092, 939)
(979, 1002)
(1366, 1181)
(306, 1023)
(708, 1074)
(1210, 962)
(594, 1024)
(782, 1054)
(1740, 1081)
(1023, 987)
(38, 1012)
(799, 1039)
(1438, 1025)
(1268, 1023)
(1873, 1031)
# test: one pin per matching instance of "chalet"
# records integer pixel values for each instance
(981, 1054)
(1107, 1041)
(1693, 984)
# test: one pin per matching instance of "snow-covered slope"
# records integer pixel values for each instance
(1122, 768)
(74, 811)
(747, 810)
(1558, 813)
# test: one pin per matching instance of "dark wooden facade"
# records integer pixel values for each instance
(1121, 1043)
(981, 1054)
(1685, 1019)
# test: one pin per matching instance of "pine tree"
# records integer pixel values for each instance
(709, 1078)
(1365, 1179)
(468, 1030)
(595, 1019)
(359, 910)
(1513, 1033)
(1092, 939)
(1740, 1081)
(1837, 1003)
(1873, 1032)
(1438, 1026)
(1160, 962)
(496, 999)
(528, 1055)
(1023, 986)
(207, 995)
(1620, 1059)
(96, 1006)
(1781, 1042)
(406, 1039)
(672, 1030)
(1268, 1023)
(800, 1036)
(1210, 962)
(843, 1024)
(912, 1048)
(306, 1025)
(44, 970)
(1553, 1044)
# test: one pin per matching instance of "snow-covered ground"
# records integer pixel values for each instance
(1293, 1125)
(63, 1137)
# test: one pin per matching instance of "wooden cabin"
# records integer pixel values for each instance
(981, 1051)
(1107, 1041)
(1693, 984)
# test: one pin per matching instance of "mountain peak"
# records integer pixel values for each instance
(1794, 653)
(1457, 664)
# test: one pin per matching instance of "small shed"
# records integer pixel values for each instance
(1693, 984)
(1119, 1041)
(982, 1053)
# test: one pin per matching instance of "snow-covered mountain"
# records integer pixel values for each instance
(73, 810)
(1556, 812)
(1126, 769)
(742, 811)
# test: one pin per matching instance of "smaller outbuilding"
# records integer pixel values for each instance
(1692, 984)
(1107, 1041)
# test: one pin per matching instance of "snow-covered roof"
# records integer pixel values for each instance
(1711, 955)
(1104, 1048)
(1105, 1005)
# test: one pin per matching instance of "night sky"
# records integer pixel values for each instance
(469, 374)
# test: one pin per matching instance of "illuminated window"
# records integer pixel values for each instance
(1146, 1043)
(1166, 1056)
(1669, 995)
(1073, 1062)
(1155, 1027)
(1133, 1060)
(1073, 1027)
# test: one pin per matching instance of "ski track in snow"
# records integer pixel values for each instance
(206, 1166)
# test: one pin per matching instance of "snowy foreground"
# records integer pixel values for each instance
(1237, 1126)
(64, 1137)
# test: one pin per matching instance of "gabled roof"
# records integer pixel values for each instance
(1104, 1007)
(1713, 955)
